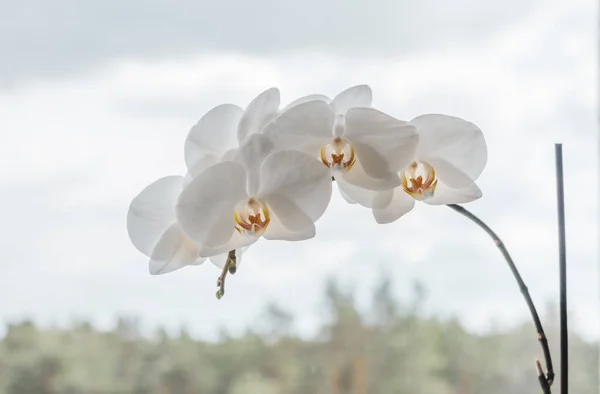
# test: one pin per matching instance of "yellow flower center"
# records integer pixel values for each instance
(338, 154)
(251, 217)
(419, 181)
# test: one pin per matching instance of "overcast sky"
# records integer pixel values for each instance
(41, 39)
(96, 101)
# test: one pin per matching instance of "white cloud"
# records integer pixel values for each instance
(59, 40)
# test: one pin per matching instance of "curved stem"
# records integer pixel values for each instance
(545, 379)
(230, 267)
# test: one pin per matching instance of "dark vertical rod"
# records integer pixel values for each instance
(562, 272)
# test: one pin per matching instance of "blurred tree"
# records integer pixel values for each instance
(253, 383)
(395, 348)
(38, 378)
(280, 321)
(176, 381)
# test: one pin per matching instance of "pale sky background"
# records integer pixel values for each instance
(96, 100)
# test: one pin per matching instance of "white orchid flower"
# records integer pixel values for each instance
(260, 193)
(151, 220)
(361, 146)
(153, 229)
(450, 156)
(220, 132)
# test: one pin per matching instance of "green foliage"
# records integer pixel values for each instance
(392, 349)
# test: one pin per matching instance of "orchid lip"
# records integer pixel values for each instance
(338, 155)
(419, 180)
(251, 217)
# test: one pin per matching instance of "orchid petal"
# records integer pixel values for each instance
(215, 132)
(299, 177)
(201, 164)
(446, 195)
(237, 241)
(221, 259)
(366, 198)
(229, 155)
(205, 208)
(305, 99)
(373, 163)
(357, 176)
(304, 127)
(152, 211)
(259, 112)
(356, 96)
(346, 196)
(289, 214)
(251, 155)
(454, 147)
(448, 173)
(400, 205)
(173, 251)
(393, 140)
(278, 232)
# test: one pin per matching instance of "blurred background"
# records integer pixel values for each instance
(96, 99)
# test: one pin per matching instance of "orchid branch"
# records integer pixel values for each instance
(230, 267)
(545, 379)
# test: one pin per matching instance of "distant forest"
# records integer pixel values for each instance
(394, 349)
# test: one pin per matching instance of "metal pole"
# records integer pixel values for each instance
(562, 272)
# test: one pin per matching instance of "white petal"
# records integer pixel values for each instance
(373, 163)
(400, 205)
(198, 261)
(174, 251)
(201, 164)
(289, 214)
(459, 145)
(299, 177)
(448, 173)
(258, 113)
(366, 198)
(446, 195)
(346, 196)
(215, 132)
(305, 99)
(187, 179)
(394, 140)
(358, 177)
(356, 96)
(303, 127)
(229, 155)
(277, 231)
(205, 207)
(251, 154)
(339, 126)
(237, 241)
(152, 211)
(220, 259)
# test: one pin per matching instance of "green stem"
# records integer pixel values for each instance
(230, 267)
